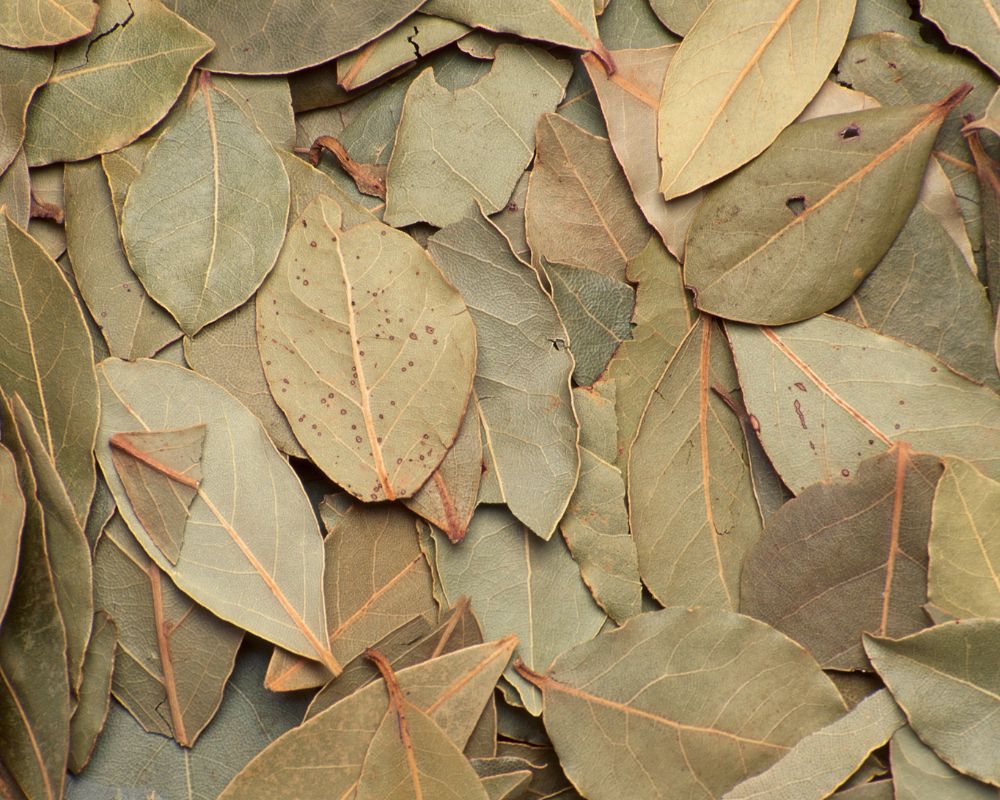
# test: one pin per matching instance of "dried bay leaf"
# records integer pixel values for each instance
(203, 222)
(24, 23)
(847, 557)
(248, 502)
(433, 176)
(389, 376)
(45, 211)
(110, 88)
(920, 775)
(266, 102)
(15, 191)
(740, 76)
(847, 393)
(692, 699)
(523, 370)
(876, 16)
(631, 24)
(12, 511)
(988, 177)
(692, 508)
(745, 255)
(679, 15)
(975, 28)
(22, 72)
(946, 681)
(95, 692)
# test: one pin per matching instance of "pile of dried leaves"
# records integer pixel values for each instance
(498, 399)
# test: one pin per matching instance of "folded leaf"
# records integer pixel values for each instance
(22, 72)
(95, 692)
(12, 509)
(24, 23)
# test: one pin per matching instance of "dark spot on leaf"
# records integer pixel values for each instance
(796, 204)
(846, 473)
(852, 131)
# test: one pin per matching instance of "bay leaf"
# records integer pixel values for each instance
(521, 584)
(503, 778)
(392, 397)
(174, 657)
(876, 16)
(579, 210)
(433, 176)
(692, 509)
(988, 177)
(15, 191)
(108, 89)
(946, 681)
(22, 72)
(12, 511)
(510, 219)
(596, 522)
(269, 37)
(712, 696)
(324, 756)
(742, 73)
(48, 360)
(842, 388)
(823, 760)
(976, 28)
(631, 24)
(847, 557)
(375, 580)
(252, 549)
(45, 211)
(266, 102)
(964, 543)
(95, 692)
(522, 372)
(160, 472)
(679, 15)
(920, 775)
(36, 24)
(876, 790)
(203, 222)
(839, 207)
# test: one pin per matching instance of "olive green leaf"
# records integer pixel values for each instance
(823, 760)
(12, 510)
(324, 756)
(827, 394)
(876, 16)
(160, 472)
(920, 775)
(15, 191)
(712, 696)
(95, 691)
(173, 656)
(580, 211)
(110, 88)
(976, 27)
(521, 584)
(945, 679)
(504, 778)
(965, 543)
(742, 74)
(252, 550)
(433, 174)
(811, 234)
(269, 37)
(679, 15)
(389, 376)
(48, 359)
(631, 23)
(522, 374)
(847, 557)
(375, 581)
(203, 222)
(692, 508)
(37, 23)
(21, 73)
(596, 523)
(129, 762)
(988, 177)
(131, 323)
(266, 102)
(45, 209)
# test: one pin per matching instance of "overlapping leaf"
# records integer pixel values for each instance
(22, 72)
(37, 23)
(12, 510)
(919, 774)
(95, 692)
(976, 28)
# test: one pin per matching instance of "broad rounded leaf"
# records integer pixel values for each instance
(37, 23)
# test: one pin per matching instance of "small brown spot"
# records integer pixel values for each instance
(846, 473)
(897, 426)
(357, 439)
(313, 243)
(800, 386)
(755, 423)
(413, 336)
(796, 204)
(802, 417)
(429, 329)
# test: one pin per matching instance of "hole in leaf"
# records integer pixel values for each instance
(796, 204)
(852, 131)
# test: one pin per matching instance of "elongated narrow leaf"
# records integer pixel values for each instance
(252, 551)
(433, 176)
(812, 234)
(110, 88)
(204, 221)
(920, 775)
(847, 557)
(692, 699)
(988, 177)
(388, 377)
(95, 692)
(12, 510)
(965, 543)
(691, 504)
(848, 393)
(975, 28)
(21, 73)
(945, 679)
(741, 75)
(174, 658)
(522, 372)
(37, 23)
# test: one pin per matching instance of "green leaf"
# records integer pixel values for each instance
(266, 102)
(817, 224)
(110, 88)
(693, 699)
(204, 221)
(12, 510)
(920, 775)
(95, 692)
(876, 16)
(822, 761)
(252, 549)
(740, 76)
(37, 23)
(679, 15)
(692, 508)
(945, 679)
(522, 372)
(827, 394)
(389, 375)
(965, 543)
(975, 28)
(988, 178)
(22, 72)
(631, 23)
(433, 175)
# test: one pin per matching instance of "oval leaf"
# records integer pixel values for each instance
(37, 23)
